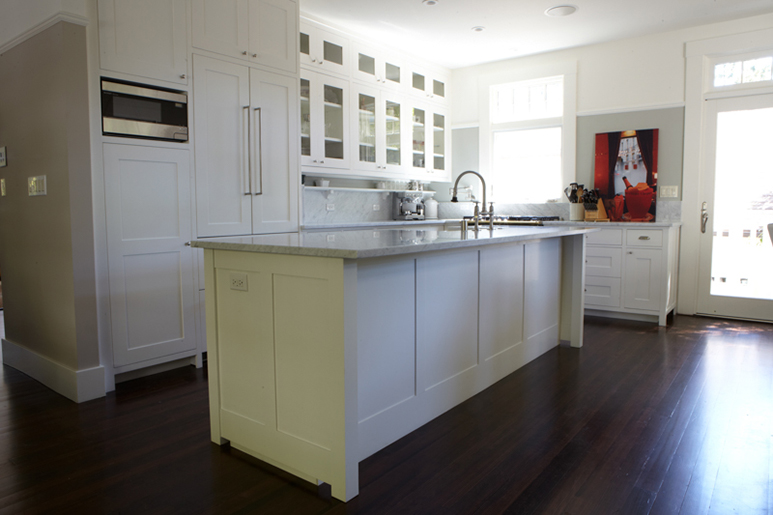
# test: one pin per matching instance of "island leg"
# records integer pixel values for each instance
(572, 289)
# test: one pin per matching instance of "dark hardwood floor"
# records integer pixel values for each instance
(641, 420)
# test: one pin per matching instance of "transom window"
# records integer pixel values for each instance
(756, 69)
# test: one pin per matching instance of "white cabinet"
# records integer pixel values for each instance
(378, 127)
(263, 32)
(323, 50)
(324, 121)
(246, 149)
(429, 85)
(631, 271)
(152, 295)
(430, 142)
(371, 66)
(144, 37)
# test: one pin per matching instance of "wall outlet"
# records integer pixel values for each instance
(3, 157)
(330, 207)
(2, 187)
(669, 192)
(238, 281)
(36, 185)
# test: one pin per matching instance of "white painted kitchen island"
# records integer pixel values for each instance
(325, 347)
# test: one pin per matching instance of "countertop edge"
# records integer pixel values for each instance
(387, 251)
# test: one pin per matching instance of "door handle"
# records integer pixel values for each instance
(259, 152)
(246, 150)
(704, 217)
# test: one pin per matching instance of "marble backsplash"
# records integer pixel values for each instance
(335, 206)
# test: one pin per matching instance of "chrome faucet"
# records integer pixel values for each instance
(477, 213)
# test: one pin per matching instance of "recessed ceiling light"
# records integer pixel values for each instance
(478, 29)
(561, 10)
(429, 2)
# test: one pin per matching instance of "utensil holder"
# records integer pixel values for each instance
(576, 212)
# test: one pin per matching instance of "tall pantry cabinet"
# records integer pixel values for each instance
(246, 149)
(239, 174)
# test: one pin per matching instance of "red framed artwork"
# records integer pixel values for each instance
(626, 174)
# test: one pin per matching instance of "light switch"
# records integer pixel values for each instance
(3, 158)
(36, 185)
(669, 191)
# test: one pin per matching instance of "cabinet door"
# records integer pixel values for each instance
(326, 120)
(642, 278)
(221, 114)
(274, 34)
(144, 37)
(440, 166)
(366, 129)
(420, 134)
(274, 135)
(324, 50)
(152, 299)
(371, 67)
(221, 26)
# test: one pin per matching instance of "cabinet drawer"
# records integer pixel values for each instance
(602, 292)
(603, 261)
(605, 237)
(644, 237)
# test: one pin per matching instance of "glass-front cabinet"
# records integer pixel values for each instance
(324, 121)
(371, 67)
(430, 141)
(430, 86)
(323, 50)
(378, 130)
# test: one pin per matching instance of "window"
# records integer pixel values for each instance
(530, 138)
(755, 69)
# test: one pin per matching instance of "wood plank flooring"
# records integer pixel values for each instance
(643, 419)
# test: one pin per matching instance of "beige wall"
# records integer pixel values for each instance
(46, 242)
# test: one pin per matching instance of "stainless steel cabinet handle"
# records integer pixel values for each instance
(704, 217)
(244, 52)
(183, 76)
(644, 238)
(246, 150)
(258, 180)
(254, 55)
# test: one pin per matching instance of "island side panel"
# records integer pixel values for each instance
(279, 345)
(542, 286)
(573, 289)
(213, 380)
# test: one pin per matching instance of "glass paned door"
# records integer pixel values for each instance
(736, 253)
(305, 117)
(439, 141)
(334, 122)
(419, 138)
(367, 127)
(393, 133)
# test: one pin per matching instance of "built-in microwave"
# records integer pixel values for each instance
(143, 111)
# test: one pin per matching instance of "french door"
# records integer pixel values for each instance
(736, 254)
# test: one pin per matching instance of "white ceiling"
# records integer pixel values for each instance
(442, 33)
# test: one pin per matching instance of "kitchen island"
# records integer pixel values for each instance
(325, 347)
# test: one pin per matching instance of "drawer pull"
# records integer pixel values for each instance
(644, 237)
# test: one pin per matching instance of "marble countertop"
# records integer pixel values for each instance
(602, 225)
(378, 242)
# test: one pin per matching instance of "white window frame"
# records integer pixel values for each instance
(567, 122)
(733, 89)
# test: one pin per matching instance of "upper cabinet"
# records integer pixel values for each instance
(323, 50)
(262, 32)
(372, 67)
(429, 85)
(147, 38)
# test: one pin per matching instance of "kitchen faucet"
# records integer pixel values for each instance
(477, 213)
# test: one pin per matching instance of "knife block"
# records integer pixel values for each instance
(597, 215)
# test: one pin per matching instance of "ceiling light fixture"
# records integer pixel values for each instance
(478, 29)
(561, 10)
(429, 2)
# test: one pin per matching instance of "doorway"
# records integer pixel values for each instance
(736, 254)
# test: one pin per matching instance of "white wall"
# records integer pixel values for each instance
(622, 75)
(18, 17)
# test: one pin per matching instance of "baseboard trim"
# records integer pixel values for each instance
(76, 385)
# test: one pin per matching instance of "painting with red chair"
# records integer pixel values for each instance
(626, 174)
